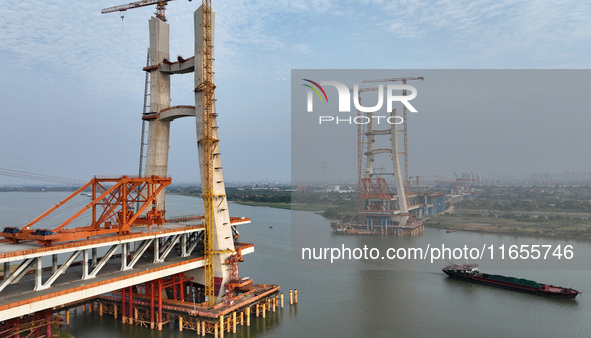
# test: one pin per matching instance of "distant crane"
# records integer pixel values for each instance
(160, 7)
(460, 180)
(417, 179)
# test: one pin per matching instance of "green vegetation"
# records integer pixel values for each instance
(333, 205)
(559, 211)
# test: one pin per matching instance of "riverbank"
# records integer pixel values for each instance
(569, 229)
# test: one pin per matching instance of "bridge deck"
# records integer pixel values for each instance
(21, 298)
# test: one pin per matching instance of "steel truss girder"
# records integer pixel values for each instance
(39, 285)
(87, 256)
(168, 246)
(138, 253)
(17, 274)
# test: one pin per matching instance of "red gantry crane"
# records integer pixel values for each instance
(111, 211)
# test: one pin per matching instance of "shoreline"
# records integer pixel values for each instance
(507, 229)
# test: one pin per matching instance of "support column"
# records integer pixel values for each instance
(160, 305)
(123, 301)
(402, 204)
(85, 264)
(6, 269)
(158, 130)
(152, 305)
(48, 332)
(53, 263)
(174, 293)
(94, 257)
(130, 316)
(38, 274)
(248, 316)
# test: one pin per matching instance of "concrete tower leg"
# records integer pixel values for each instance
(159, 131)
(369, 164)
(403, 219)
(222, 234)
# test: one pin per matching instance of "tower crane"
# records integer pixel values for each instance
(417, 179)
(160, 7)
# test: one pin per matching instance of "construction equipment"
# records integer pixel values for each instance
(143, 143)
(467, 185)
(207, 89)
(160, 7)
(417, 179)
(209, 143)
(116, 196)
(404, 124)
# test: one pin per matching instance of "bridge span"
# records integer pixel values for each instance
(37, 278)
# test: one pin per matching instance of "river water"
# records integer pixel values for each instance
(408, 301)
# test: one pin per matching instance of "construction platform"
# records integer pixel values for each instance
(144, 306)
(38, 277)
(352, 228)
(146, 310)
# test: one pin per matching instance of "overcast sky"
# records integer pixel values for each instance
(71, 83)
(492, 122)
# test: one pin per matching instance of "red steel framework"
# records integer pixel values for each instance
(375, 188)
(460, 180)
(154, 291)
(36, 325)
(111, 208)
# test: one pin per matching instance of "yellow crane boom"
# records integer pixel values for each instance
(160, 7)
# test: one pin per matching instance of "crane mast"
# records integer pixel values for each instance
(208, 142)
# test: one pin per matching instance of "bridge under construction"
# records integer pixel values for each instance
(128, 259)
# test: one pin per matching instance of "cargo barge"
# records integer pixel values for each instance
(471, 273)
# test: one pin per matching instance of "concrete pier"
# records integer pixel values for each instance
(222, 235)
(159, 130)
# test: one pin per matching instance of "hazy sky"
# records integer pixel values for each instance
(71, 84)
(486, 121)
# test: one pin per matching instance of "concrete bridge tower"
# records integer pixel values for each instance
(161, 114)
